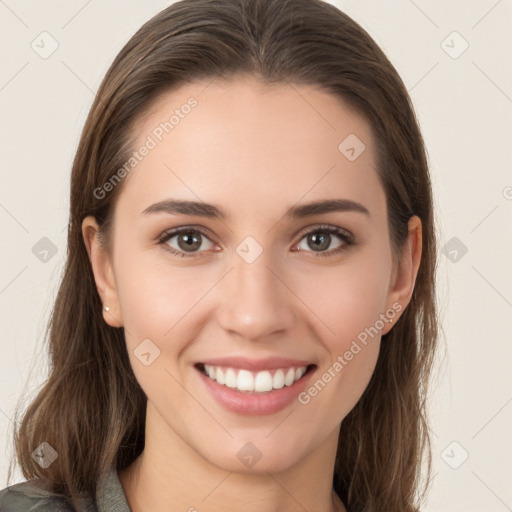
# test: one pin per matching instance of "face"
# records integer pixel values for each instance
(282, 305)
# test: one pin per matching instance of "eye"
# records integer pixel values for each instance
(320, 239)
(188, 240)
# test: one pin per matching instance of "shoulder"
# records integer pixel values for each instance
(32, 496)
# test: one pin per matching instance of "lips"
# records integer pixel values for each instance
(255, 387)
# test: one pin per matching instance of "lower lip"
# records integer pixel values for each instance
(255, 404)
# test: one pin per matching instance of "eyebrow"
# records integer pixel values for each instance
(177, 206)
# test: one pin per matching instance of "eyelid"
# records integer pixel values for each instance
(312, 228)
(171, 232)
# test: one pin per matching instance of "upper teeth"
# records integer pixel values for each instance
(244, 380)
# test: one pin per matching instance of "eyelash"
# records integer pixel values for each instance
(332, 230)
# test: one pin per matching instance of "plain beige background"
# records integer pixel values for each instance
(454, 58)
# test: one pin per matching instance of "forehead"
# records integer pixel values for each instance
(253, 145)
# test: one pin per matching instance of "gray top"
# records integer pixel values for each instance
(31, 496)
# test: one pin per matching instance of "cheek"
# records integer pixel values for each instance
(348, 302)
(155, 297)
(348, 299)
(157, 307)
(349, 310)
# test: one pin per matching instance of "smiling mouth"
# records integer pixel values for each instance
(253, 382)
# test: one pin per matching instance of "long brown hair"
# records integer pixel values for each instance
(91, 410)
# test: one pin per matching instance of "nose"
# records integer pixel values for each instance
(257, 302)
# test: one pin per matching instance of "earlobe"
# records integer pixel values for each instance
(402, 288)
(101, 265)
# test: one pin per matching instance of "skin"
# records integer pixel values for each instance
(255, 150)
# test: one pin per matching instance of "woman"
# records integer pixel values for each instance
(247, 315)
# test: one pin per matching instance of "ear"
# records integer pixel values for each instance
(103, 272)
(404, 276)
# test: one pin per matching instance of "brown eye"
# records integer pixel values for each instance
(188, 241)
(320, 241)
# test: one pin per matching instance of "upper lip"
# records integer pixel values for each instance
(268, 363)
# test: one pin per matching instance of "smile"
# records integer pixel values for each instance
(250, 381)
(249, 386)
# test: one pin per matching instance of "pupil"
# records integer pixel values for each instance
(190, 241)
(324, 241)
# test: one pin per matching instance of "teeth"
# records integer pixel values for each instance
(244, 382)
(219, 376)
(260, 382)
(230, 380)
(289, 377)
(278, 380)
(263, 382)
